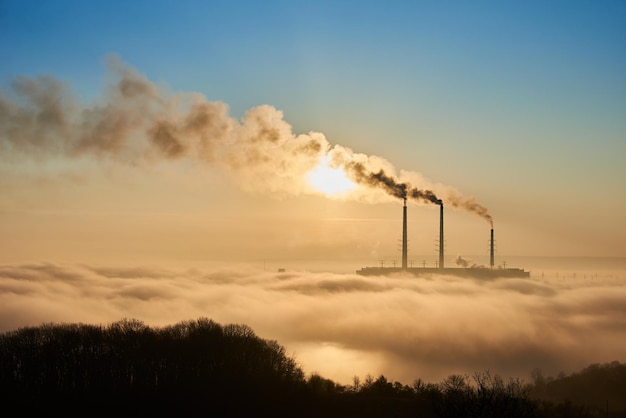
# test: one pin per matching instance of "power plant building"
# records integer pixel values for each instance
(475, 271)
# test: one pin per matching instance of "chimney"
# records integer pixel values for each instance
(404, 238)
(491, 250)
(441, 236)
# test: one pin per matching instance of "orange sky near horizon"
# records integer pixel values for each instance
(197, 142)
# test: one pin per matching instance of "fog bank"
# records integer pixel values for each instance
(345, 325)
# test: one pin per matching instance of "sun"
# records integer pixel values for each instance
(331, 181)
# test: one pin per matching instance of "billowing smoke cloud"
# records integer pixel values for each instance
(345, 325)
(466, 263)
(136, 122)
(460, 261)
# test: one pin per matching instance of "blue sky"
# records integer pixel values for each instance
(521, 104)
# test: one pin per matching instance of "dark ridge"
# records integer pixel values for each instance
(200, 368)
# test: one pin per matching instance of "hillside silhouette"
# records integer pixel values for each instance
(200, 368)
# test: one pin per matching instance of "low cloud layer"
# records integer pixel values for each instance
(345, 325)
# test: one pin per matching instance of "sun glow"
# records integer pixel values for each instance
(331, 181)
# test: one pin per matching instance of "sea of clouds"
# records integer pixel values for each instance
(345, 325)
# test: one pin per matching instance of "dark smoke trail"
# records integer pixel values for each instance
(395, 188)
(470, 204)
(362, 175)
(426, 195)
(390, 185)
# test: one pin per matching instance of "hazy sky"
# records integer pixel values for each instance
(521, 105)
(161, 159)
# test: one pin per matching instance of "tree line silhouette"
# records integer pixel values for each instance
(199, 368)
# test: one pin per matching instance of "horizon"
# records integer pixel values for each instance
(535, 144)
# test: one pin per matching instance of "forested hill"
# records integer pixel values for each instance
(192, 368)
(200, 368)
(600, 386)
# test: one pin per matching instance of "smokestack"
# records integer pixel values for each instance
(441, 236)
(404, 238)
(491, 250)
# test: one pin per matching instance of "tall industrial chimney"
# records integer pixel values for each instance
(491, 250)
(441, 236)
(404, 237)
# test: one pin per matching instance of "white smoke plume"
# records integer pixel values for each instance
(134, 121)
